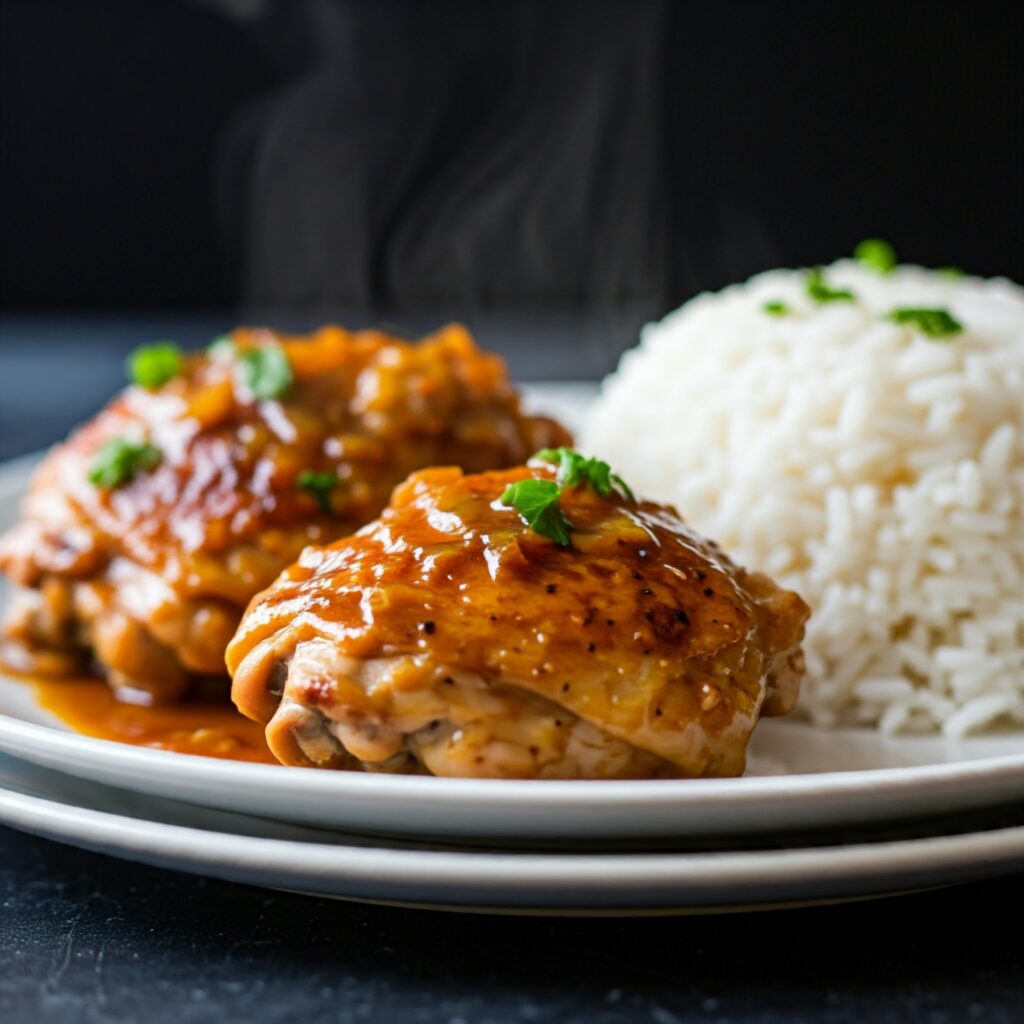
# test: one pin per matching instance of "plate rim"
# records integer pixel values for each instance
(647, 874)
(551, 793)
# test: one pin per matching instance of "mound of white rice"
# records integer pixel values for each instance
(878, 472)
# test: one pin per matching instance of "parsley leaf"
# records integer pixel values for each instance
(627, 491)
(570, 464)
(819, 289)
(266, 372)
(933, 323)
(150, 366)
(119, 460)
(319, 485)
(876, 255)
(575, 470)
(775, 307)
(536, 501)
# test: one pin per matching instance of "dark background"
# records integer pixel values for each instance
(551, 173)
(316, 155)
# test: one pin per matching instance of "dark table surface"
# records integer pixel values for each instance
(87, 938)
(84, 937)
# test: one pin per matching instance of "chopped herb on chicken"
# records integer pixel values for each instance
(575, 470)
(119, 460)
(536, 501)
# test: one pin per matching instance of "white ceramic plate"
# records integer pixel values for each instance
(241, 849)
(801, 778)
(858, 793)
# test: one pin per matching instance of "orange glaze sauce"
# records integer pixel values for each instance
(207, 727)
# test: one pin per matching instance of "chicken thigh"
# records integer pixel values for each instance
(144, 536)
(452, 637)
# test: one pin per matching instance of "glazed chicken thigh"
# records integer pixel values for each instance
(451, 637)
(144, 536)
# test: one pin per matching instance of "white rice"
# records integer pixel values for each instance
(876, 471)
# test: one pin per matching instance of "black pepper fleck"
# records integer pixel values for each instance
(647, 592)
(701, 575)
(565, 687)
(708, 592)
(550, 588)
(591, 647)
(609, 622)
(657, 712)
(428, 627)
(637, 575)
(682, 617)
(448, 681)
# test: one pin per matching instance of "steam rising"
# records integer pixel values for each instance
(452, 154)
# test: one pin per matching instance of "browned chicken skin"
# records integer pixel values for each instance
(448, 637)
(149, 579)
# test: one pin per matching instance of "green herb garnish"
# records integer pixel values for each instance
(575, 469)
(266, 372)
(876, 255)
(536, 501)
(150, 366)
(819, 289)
(933, 323)
(775, 307)
(622, 486)
(319, 485)
(119, 460)
(951, 272)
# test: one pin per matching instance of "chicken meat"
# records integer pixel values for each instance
(452, 638)
(145, 534)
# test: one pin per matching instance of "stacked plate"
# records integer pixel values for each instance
(832, 829)
(820, 816)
